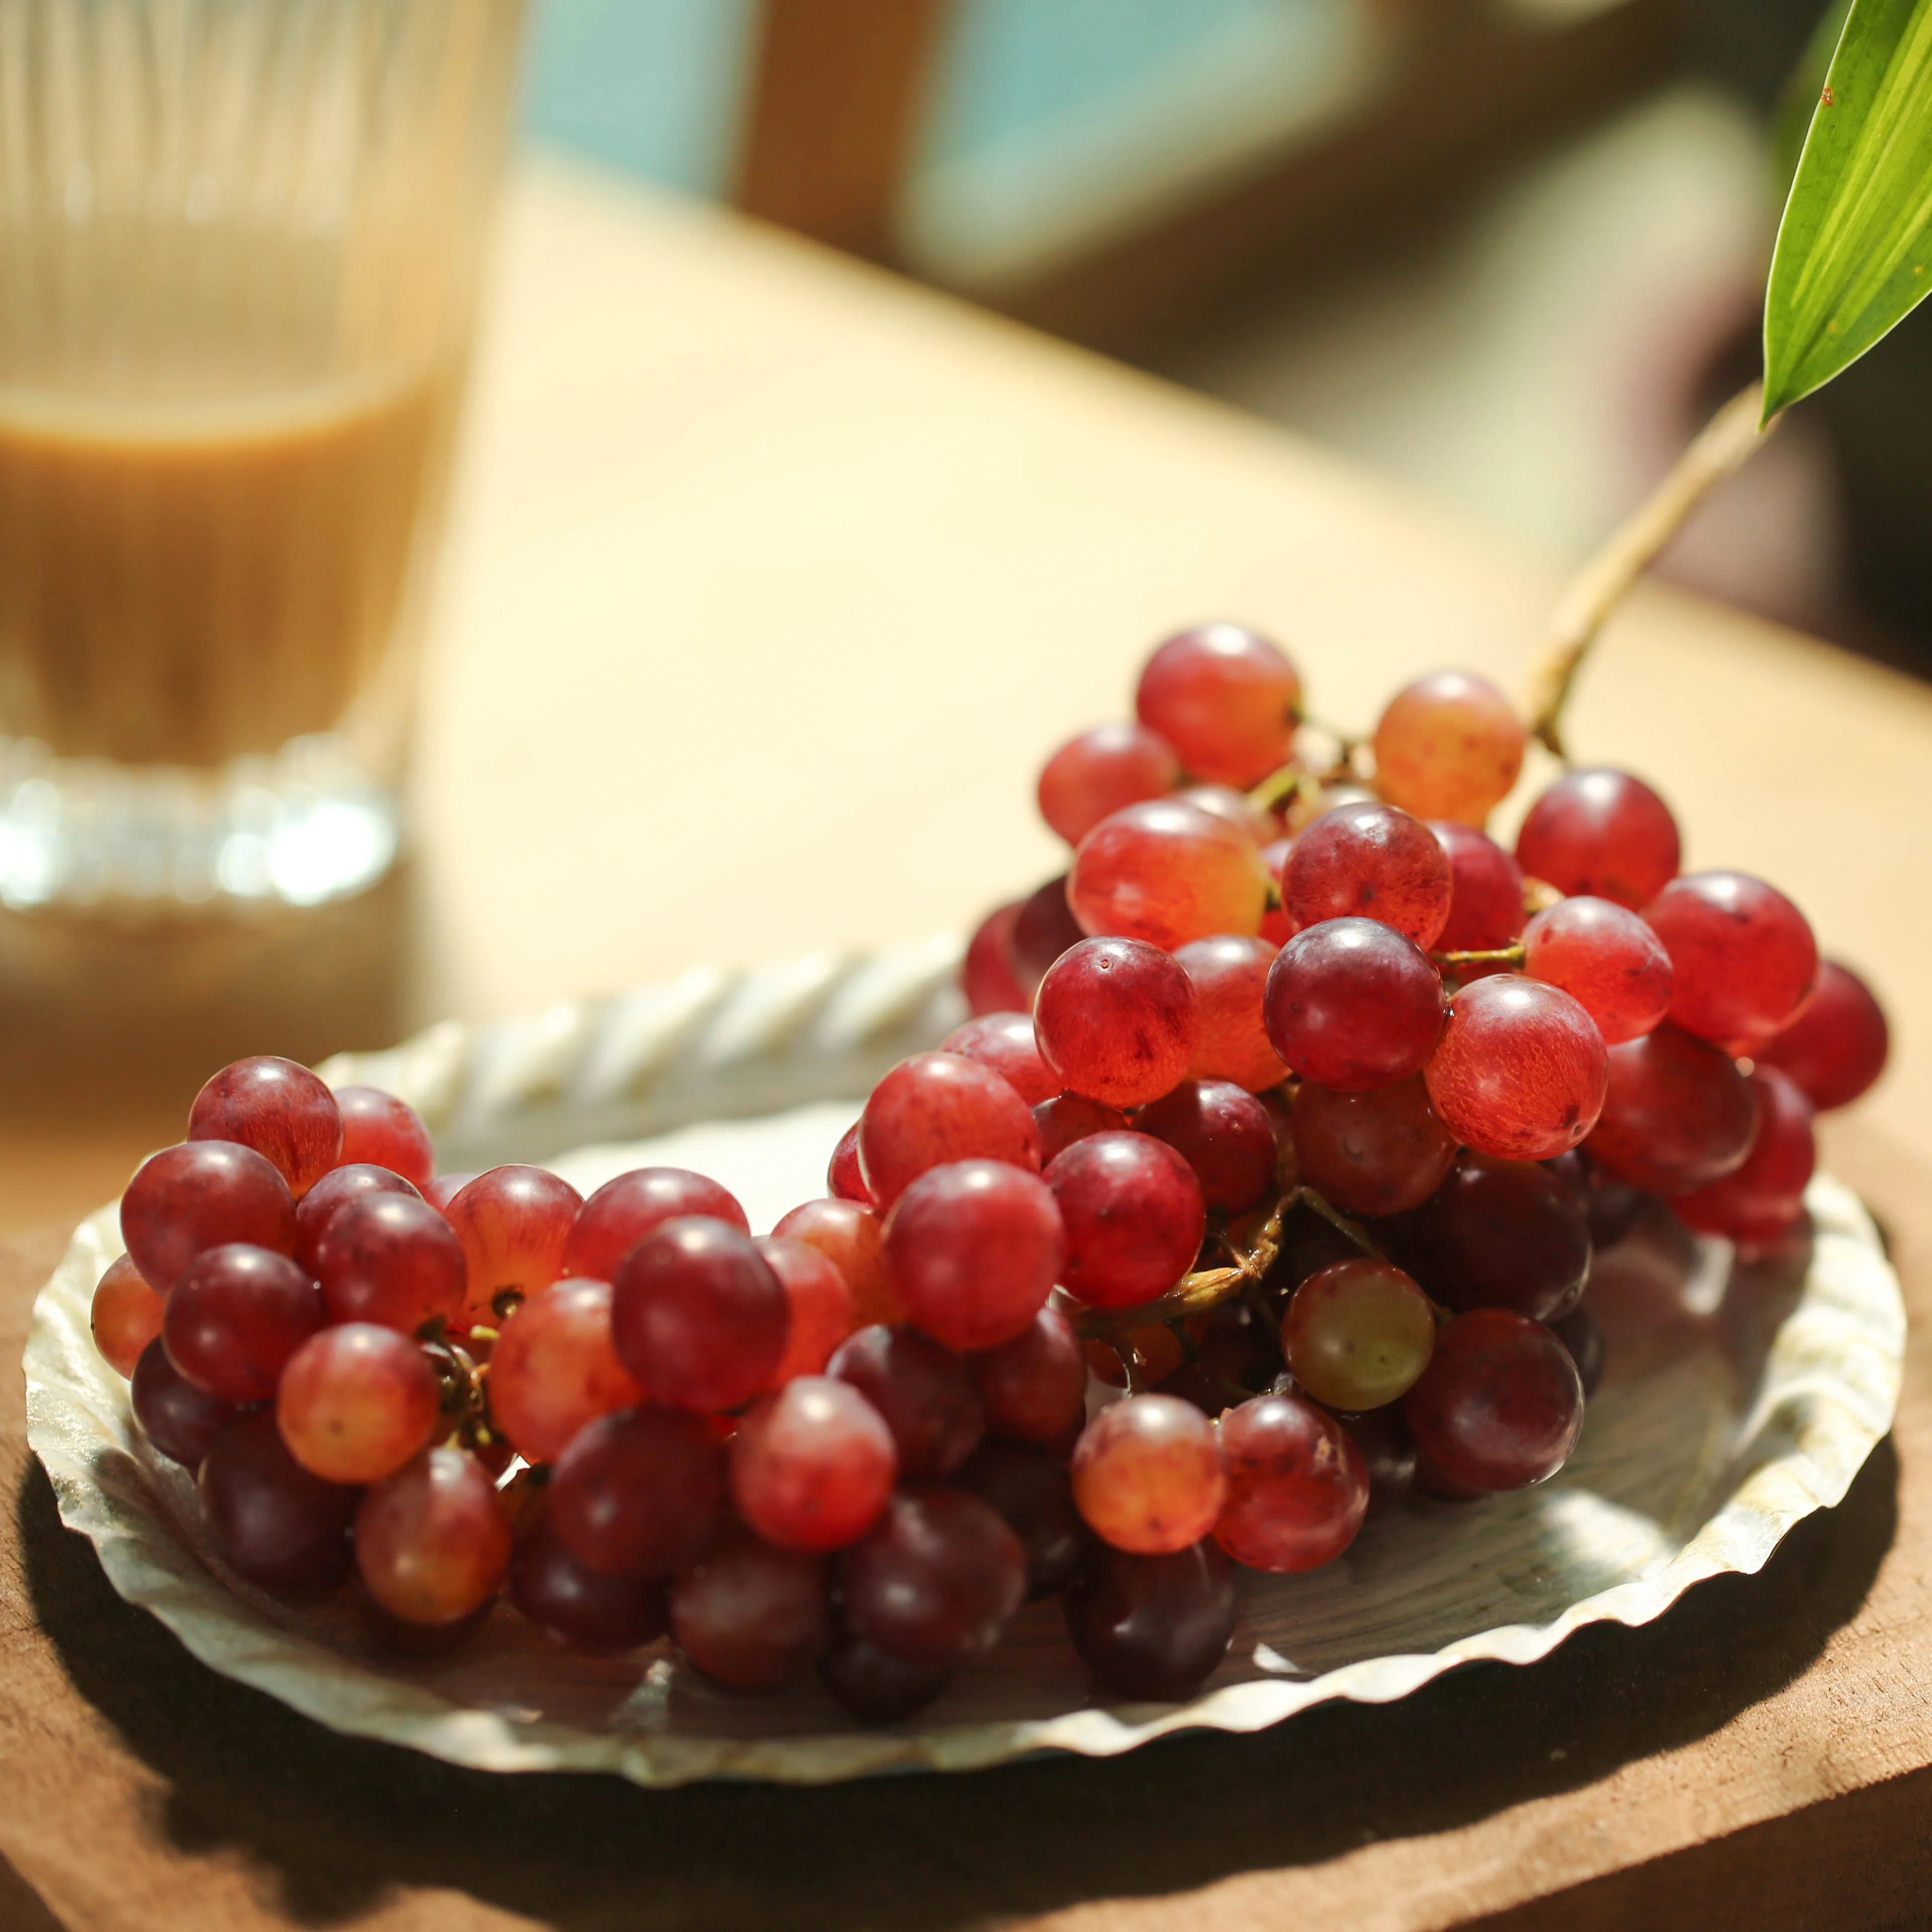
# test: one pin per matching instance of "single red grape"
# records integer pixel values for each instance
(937, 1108)
(1743, 961)
(177, 1418)
(924, 1393)
(875, 1688)
(1501, 1234)
(698, 1317)
(1500, 1405)
(1388, 1453)
(1225, 699)
(1134, 1216)
(1117, 1021)
(340, 1185)
(821, 1303)
(1093, 775)
(1278, 923)
(1353, 1004)
(272, 1521)
(1230, 976)
(1836, 1048)
(444, 1188)
(1356, 1335)
(1298, 1487)
(1031, 1491)
(378, 1130)
(1068, 1118)
(1236, 808)
(1153, 1628)
(555, 1367)
(934, 1581)
(385, 1258)
(1761, 1199)
(587, 1609)
(845, 1180)
(1381, 1153)
(1224, 1134)
(621, 1213)
(1365, 859)
(987, 977)
(639, 1492)
(234, 1317)
(1606, 959)
(1485, 897)
(1148, 1474)
(1450, 746)
(1043, 928)
(1034, 1386)
(1603, 833)
(126, 1315)
(1167, 872)
(1005, 1042)
(356, 1402)
(1678, 1114)
(812, 1464)
(852, 1238)
(283, 1111)
(751, 1616)
(514, 1223)
(1520, 1071)
(201, 1195)
(433, 1541)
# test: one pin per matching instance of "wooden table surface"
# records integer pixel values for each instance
(771, 581)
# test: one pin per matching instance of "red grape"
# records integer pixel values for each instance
(1229, 975)
(234, 1317)
(1153, 1628)
(1043, 928)
(1278, 924)
(1369, 860)
(1030, 1490)
(621, 1213)
(1388, 1452)
(937, 1108)
(1836, 1048)
(845, 1180)
(177, 1418)
(1148, 1474)
(1353, 1004)
(1117, 1021)
(283, 1111)
(339, 1185)
(1167, 872)
(973, 1248)
(1486, 896)
(698, 1317)
(515, 1224)
(272, 1521)
(1520, 1071)
(923, 1392)
(1678, 1115)
(1606, 959)
(1757, 1202)
(1095, 774)
(433, 1540)
(877, 1689)
(1743, 960)
(1381, 1153)
(387, 1259)
(1298, 1487)
(1500, 1405)
(821, 1303)
(1224, 1135)
(987, 977)
(444, 1189)
(1225, 699)
(1501, 1234)
(852, 1238)
(1005, 1042)
(1034, 1386)
(378, 1130)
(1603, 833)
(356, 1402)
(126, 1315)
(638, 1491)
(1449, 746)
(555, 1367)
(202, 1194)
(812, 1464)
(1134, 1217)
(1068, 1118)
(751, 1616)
(935, 1579)
(588, 1610)
(1356, 1335)
(1236, 808)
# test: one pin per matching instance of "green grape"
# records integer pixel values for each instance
(1357, 1335)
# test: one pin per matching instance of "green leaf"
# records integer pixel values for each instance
(1854, 254)
(1798, 98)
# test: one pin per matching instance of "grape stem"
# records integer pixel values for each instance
(1594, 592)
(1512, 955)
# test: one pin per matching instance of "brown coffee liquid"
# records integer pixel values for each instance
(185, 584)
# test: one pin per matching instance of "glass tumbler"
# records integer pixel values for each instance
(239, 249)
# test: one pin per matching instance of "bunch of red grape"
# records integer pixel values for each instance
(1292, 1113)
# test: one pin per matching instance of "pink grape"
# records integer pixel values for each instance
(845, 1180)
(178, 1418)
(1603, 833)
(1117, 1021)
(697, 1316)
(1148, 1474)
(1236, 808)
(639, 1492)
(1230, 976)
(1836, 1048)
(1224, 1133)
(1449, 745)
(283, 1111)
(1380, 1153)
(1278, 924)
(1068, 1118)
(1763, 1197)
(1367, 860)
(1486, 890)
(1678, 1113)
(923, 1393)
(812, 1464)
(1033, 1386)
(1353, 1004)
(1093, 775)
(621, 1213)
(936, 1108)
(1167, 872)
(1005, 1042)
(1521, 1070)
(1356, 1335)
(1043, 928)
(973, 1248)
(1607, 959)
(387, 1259)
(1743, 961)
(749, 1615)
(1500, 1405)
(1134, 1216)
(555, 1368)
(515, 1224)
(1297, 1487)
(201, 1195)
(444, 1189)
(235, 1316)
(934, 1581)
(1153, 1628)
(433, 1541)
(126, 1315)
(852, 1238)
(586, 1609)
(356, 1402)
(1225, 699)
(378, 1130)
(339, 1185)
(270, 1520)
(987, 976)
(821, 1303)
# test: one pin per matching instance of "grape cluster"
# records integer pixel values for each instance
(1265, 1181)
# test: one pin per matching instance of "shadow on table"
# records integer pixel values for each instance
(342, 1821)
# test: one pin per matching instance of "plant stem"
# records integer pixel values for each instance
(1601, 585)
(1512, 955)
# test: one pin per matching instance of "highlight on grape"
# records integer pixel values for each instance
(1266, 1179)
